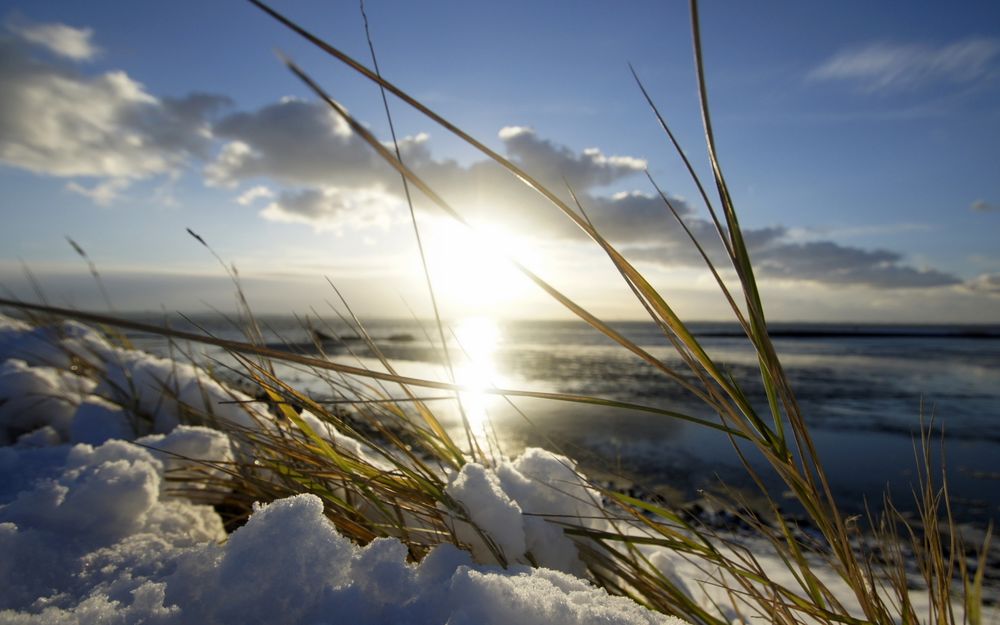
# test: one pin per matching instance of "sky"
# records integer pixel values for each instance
(859, 141)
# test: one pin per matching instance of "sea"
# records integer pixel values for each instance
(867, 392)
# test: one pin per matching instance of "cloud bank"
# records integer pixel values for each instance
(338, 177)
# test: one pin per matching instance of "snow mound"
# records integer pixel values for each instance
(32, 397)
(520, 507)
(86, 519)
(489, 508)
(97, 421)
(189, 454)
(95, 542)
(69, 378)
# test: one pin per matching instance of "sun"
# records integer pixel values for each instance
(470, 269)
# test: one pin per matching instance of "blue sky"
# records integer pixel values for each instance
(859, 139)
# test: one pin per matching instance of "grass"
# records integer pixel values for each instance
(382, 467)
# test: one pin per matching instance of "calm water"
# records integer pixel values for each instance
(863, 390)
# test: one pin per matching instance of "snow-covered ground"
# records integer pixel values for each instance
(89, 533)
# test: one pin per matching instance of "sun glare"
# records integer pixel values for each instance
(478, 338)
(470, 270)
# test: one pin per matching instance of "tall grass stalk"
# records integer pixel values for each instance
(397, 487)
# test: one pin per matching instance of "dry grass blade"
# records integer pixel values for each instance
(93, 271)
(687, 164)
(427, 414)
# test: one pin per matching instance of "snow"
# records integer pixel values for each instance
(550, 491)
(87, 519)
(91, 532)
(97, 420)
(98, 542)
(43, 381)
(33, 397)
(491, 510)
(347, 445)
(186, 452)
(521, 506)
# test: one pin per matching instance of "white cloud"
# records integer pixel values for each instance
(331, 208)
(66, 41)
(59, 122)
(250, 196)
(988, 283)
(221, 171)
(102, 193)
(409, 143)
(65, 126)
(983, 206)
(882, 66)
(511, 132)
(346, 186)
(294, 142)
(553, 163)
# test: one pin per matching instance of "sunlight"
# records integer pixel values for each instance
(476, 370)
(469, 268)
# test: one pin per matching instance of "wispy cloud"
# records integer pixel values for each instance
(779, 257)
(831, 263)
(982, 206)
(66, 41)
(857, 232)
(253, 194)
(103, 193)
(885, 66)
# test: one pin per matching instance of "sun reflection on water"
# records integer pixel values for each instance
(476, 370)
